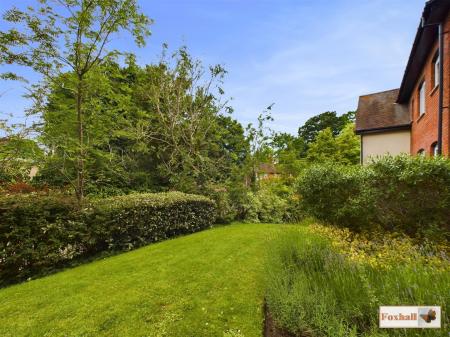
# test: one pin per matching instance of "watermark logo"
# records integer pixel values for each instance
(410, 317)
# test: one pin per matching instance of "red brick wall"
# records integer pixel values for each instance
(446, 111)
(424, 129)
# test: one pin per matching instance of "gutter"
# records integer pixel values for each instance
(384, 129)
(441, 79)
(441, 86)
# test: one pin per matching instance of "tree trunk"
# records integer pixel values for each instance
(80, 162)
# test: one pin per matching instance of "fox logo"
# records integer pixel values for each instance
(430, 316)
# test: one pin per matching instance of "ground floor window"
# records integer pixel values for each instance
(434, 149)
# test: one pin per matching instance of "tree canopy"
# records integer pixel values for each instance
(328, 119)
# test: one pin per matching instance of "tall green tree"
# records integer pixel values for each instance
(322, 121)
(71, 34)
(260, 140)
(190, 135)
(324, 148)
(349, 145)
(290, 152)
(343, 149)
(112, 128)
(158, 127)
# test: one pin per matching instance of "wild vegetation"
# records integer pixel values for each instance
(332, 282)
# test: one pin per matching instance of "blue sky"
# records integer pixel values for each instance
(307, 56)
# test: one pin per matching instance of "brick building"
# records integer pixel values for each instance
(415, 118)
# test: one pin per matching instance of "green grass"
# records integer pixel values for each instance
(205, 284)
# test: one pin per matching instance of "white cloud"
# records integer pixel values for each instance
(325, 62)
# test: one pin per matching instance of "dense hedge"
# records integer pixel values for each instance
(129, 221)
(406, 194)
(40, 233)
(37, 233)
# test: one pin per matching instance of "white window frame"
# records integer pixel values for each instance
(422, 99)
(436, 71)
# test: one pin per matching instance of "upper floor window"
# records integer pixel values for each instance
(422, 107)
(436, 68)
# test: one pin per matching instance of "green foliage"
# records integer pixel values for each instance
(407, 194)
(272, 207)
(129, 221)
(290, 152)
(193, 140)
(39, 233)
(410, 194)
(259, 138)
(113, 126)
(323, 121)
(314, 289)
(274, 202)
(343, 149)
(74, 34)
(348, 144)
(324, 148)
(17, 156)
(139, 135)
(328, 193)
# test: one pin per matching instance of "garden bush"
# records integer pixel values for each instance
(411, 195)
(274, 202)
(264, 207)
(39, 233)
(126, 222)
(332, 193)
(404, 194)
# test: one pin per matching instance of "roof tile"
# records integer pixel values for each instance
(379, 110)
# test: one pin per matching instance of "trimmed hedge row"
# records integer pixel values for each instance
(40, 233)
(404, 194)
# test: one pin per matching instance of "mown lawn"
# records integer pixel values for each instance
(205, 284)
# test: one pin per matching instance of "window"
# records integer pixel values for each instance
(434, 149)
(436, 67)
(422, 98)
(421, 152)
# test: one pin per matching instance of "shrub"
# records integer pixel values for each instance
(226, 210)
(264, 206)
(125, 222)
(411, 194)
(274, 202)
(37, 233)
(331, 193)
(40, 233)
(405, 194)
(317, 288)
(272, 207)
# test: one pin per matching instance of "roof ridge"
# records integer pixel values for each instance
(379, 92)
